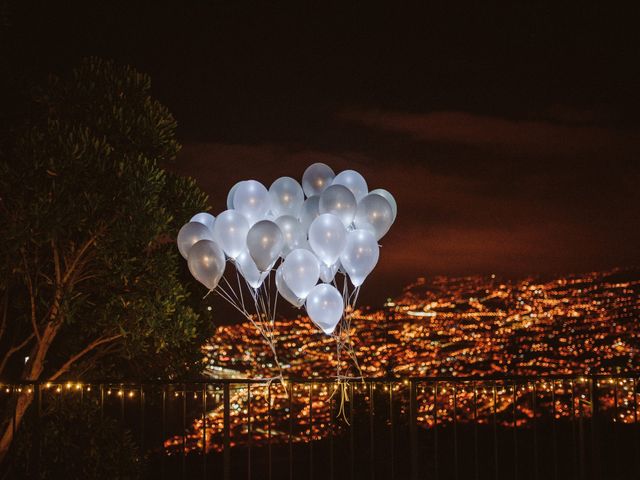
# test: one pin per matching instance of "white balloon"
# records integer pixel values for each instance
(327, 237)
(231, 194)
(316, 178)
(360, 255)
(354, 182)
(204, 218)
(286, 196)
(248, 269)
(189, 234)
(294, 235)
(206, 263)
(301, 271)
(252, 200)
(284, 291)
(265, 242)
(309, 212)
(340, 201)
(375, 214)
(230, 231)
(392, 201)
(325, 307)
(327, 274)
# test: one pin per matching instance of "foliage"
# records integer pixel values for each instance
(87, 217)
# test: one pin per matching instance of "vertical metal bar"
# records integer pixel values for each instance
(616, 456)
(593, 397)
(310, 431)
(352, 447)
(204, 431)
(269, 431)
(164, 430)
(142, 419)
(573, 430)
(372, 441)
(581, 452)
(534, 399)
(184, 431)
(391, 432)
(227, 432)
(515, 429)
(291, 431)
(554, 440)
(249, 432)
(331, 433)
(413, 434)
(635, 424)
(13, 423)
(456, 467)
(495, 431)
(476, 459)
(37, 392)
(435, 432)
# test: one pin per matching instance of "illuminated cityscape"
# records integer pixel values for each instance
(446, 327)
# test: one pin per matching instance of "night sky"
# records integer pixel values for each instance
(509, 136)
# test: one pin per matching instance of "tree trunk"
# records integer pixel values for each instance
(24, 399)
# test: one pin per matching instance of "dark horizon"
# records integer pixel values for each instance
(509, 136)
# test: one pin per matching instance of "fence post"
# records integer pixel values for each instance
(594, 428)
(226, 432)
(413, 433)
(37, 392)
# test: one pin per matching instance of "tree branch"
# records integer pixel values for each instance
(96, 343)
(32, 298)
(13, 350)
(83, 249)
(56, 262)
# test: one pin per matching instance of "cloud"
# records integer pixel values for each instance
(502, 134)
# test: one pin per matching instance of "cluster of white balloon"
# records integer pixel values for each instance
(334, 230)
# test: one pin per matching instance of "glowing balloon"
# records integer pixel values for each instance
(206, 263)
(230, 231)
(286, 197)
(248, 269)
(392, 201)
(354, 182)
(284, 291)
(204, 218)
(309, 212)
(189, 234)
(316, 178)
(327, 237)
(252, 200)
(230, 195)
(339, 200)
(265, 242)
(375, 214)
(328, 273)
(294, 235)
(325, 306)
(301, 271)
(360, 255)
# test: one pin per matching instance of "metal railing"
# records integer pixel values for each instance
(552, 427)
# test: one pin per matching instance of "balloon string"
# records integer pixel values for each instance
(240, 288)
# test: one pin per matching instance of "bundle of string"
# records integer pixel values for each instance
(258, 306)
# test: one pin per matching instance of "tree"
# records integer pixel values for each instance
(90, 278)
